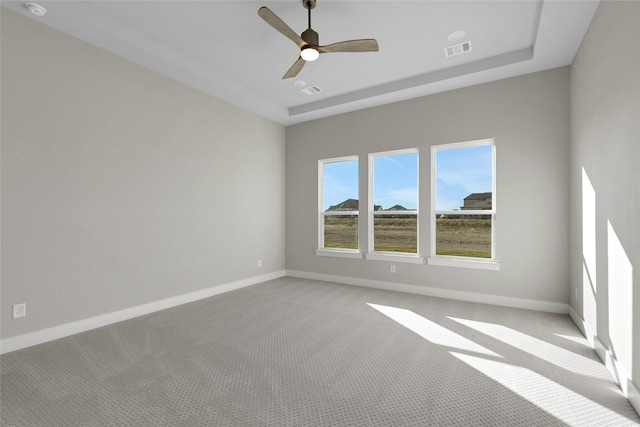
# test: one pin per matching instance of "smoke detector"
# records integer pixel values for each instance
(35, 9)
(456, 35)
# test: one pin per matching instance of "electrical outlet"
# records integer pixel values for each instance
(392, 268)
(259, 263)
(19, 310)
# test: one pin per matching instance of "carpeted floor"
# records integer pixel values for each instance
(294, 352)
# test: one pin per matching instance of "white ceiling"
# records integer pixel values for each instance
(225, 49)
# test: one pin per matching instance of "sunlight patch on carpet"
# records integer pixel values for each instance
(431, 331)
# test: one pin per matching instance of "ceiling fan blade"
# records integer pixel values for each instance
(362, 45)
(295, 69)
(277, 23)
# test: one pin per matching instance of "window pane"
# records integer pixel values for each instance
(395, 182)
(464, 181)
(395, 189)
(341, 231)
(340, 195)
(340, 185)
(461, 175)
(464, 235)
(396, 233)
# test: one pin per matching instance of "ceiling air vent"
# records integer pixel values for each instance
(311, 90)
(457, 49)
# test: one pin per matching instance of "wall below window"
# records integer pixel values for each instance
(529, 118)
(121, 187)
(605, 190)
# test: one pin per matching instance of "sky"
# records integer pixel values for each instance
(340, 182)
(460, 172)
(395, 181)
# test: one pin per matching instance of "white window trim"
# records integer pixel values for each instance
(335, 252)
(395, 257)
(372, 254)
(457, 261)
(463, 262)
(339, 253)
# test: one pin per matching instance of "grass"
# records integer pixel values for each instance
(455, 237)
(463, 237)
(341, 232)
(395, 234)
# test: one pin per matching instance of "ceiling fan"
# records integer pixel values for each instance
(308, 43)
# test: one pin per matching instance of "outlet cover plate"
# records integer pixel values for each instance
(19, 310)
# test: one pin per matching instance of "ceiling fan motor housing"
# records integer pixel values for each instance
(310, 37)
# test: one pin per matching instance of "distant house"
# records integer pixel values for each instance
(402, 212)
(347, 205)
(350, 205)
(477, 201)
(397, 208)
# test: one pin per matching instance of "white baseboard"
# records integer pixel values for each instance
(552, 307)
(8, 345)
(633, 394)
(619, 374)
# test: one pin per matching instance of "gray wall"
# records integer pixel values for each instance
(528, 116)
(121, 187)
(605, 182)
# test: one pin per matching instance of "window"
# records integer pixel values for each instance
(338, 213)
(393, 199)
(463, 201)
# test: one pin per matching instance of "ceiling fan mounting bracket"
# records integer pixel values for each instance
(309, 4)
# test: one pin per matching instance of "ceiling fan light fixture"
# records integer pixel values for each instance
(309, 53)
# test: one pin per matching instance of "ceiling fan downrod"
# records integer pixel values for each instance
(309, 35)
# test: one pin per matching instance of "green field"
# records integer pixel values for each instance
(457, 237)
(341, 232)
(463, 237)
(395, 234)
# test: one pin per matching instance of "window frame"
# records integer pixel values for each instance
(462, 261)
(336, 252)
(371, 253)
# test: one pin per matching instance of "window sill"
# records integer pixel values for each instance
(464, 263)
(391, 257)
(337, 253)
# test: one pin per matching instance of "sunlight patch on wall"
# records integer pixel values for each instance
(431, 331)
(589, 285)
(589, 227)
(620, 281)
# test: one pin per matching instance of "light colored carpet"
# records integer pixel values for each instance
(294, 352)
